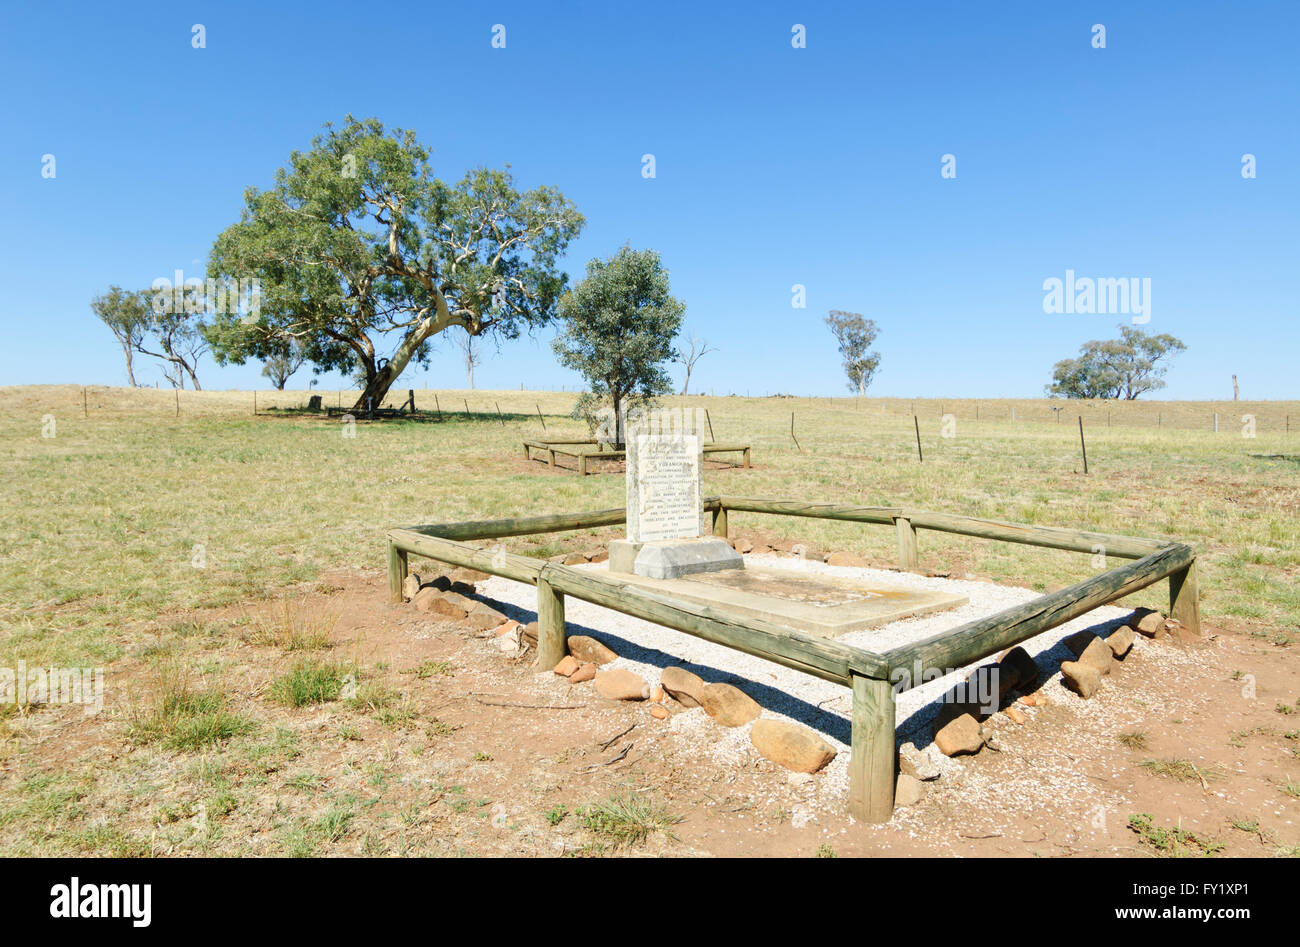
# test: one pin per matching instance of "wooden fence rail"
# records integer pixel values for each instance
(874, 678)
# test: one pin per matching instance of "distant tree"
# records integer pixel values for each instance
(617, 331)
(127, 316)
(282, 364)
(146, 322)
(1116, 368)
(178, 342)
(688, 357)
(357, 241)
(854, 333)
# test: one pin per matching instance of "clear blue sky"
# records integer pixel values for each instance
(775, 166)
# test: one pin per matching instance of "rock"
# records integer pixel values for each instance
(1016, 665)
(430, 601)
(1079, 641)
(469, 576)
(509, 642)
(410, 587)
(440, 583)
(568, 664)
(846, 559)
(574, 558)
(1015, 714)
(528, 634)
(916, 764)
(484, 618)
(505, 628)
(659, 712)
(790, 745)
(657, 694)
(463, 588)
(586, 648)
(683, 686)
(979, 695)
(744, 547)
(728, 705)
(1083, 679)
(1147, 622)
(621, 684)
(584, 673)
(1121, 640)
(962, 735)
(907, 790)
(1097, 655)
(600, 555)
(1181, 634)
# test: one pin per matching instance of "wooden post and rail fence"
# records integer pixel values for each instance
(874, 678)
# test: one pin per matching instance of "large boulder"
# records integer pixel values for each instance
(728, 705)
(790, 745)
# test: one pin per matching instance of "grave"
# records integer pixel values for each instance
(666, 552)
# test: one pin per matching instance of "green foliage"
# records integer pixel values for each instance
(627, 819)
(357, 239)
(1116, 368)
(854, 334)
(146, 322)
(619, 324)
(311, 682)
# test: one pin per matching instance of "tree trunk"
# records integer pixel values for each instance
(130, 367)
(378, 383)
(620, 437)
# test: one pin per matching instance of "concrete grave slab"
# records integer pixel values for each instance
(821, 605)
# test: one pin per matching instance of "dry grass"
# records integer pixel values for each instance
(113, 532)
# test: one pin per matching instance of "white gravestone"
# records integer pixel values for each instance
(663, 487)
(664, 511)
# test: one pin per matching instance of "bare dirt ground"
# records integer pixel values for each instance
(488, 757)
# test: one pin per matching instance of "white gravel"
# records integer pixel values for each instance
(646, 649)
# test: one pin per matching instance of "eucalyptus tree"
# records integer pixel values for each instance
(363, 255)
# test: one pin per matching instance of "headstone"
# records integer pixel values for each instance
(314, 403)
(664, 511)
(663, 487)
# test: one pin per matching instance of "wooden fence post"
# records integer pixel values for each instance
(397, 568)
(872, 763)
(1184, 604)
(552, 642)
(906, 543)
(720, 522)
